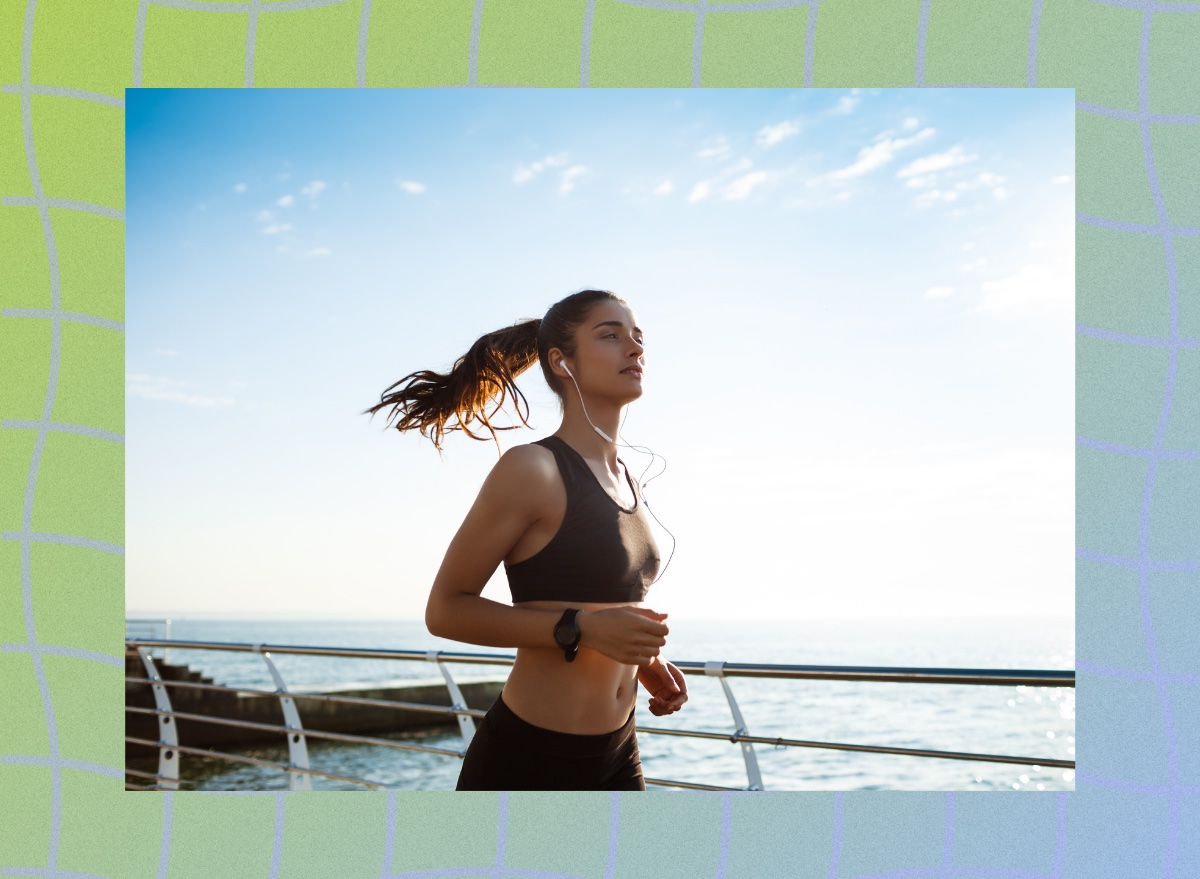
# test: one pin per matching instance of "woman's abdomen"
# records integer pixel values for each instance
(592, 694)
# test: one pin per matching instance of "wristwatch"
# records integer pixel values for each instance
(566, 633)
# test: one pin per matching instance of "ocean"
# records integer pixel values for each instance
(1021, 721)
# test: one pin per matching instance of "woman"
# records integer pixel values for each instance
(565, 517)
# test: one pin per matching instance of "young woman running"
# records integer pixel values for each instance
(564, 516)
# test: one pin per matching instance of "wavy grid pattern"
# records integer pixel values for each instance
(63, 69)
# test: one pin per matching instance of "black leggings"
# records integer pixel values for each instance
(508, 753)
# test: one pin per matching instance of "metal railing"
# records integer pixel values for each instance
(137, 627)
(300, 772)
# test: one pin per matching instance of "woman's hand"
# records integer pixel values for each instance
(630, 635)
(666, 685)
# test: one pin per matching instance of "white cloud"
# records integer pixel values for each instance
(938, 292)
(239, 187)
(525, 173)
(970, 245)
(264, 215)
(569, 175)
(741, 187)
(664, 188)
(770, 135)
(845, 105)
(153, 387)
(871, 158)
(286, 201)
(910, 123)
(919, 182)
(317, 251)
(412, 187)
(717, 149)
(1034, 284)
(166, 352)
(1062, 178)
(933, 196)
(935, 162)
(733, 188)
(975, 265)
(276, 228)
(315, 188)
(987, 179)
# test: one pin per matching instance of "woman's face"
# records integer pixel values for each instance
(609, 351)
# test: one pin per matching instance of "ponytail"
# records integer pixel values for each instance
(428, 400)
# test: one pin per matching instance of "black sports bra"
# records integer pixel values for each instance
(601, 551)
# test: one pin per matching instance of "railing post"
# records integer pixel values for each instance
(466, 723)
(717, 669)
(168, 749)
(297, 745)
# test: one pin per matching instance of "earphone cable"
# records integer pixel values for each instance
(641, 488)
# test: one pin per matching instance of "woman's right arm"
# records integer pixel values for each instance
(514, 496)
(510, 500)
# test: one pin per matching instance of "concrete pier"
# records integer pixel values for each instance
(314, 714)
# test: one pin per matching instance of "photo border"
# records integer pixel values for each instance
(64, 68)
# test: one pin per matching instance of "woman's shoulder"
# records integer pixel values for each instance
(526, 464)
(525, 476)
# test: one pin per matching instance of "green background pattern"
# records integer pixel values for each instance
(64, 66)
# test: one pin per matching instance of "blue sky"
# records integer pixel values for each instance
(858, 308)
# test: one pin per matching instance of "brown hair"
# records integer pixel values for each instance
(428, 401)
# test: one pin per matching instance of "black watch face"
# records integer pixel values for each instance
(562, 634)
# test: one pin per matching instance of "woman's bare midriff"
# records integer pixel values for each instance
(591, 695)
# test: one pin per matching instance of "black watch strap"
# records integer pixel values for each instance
(566, 633)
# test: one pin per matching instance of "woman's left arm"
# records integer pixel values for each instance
(666, 685)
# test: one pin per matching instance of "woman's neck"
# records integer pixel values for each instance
(581, 436)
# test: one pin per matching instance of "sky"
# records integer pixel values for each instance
(858, 309)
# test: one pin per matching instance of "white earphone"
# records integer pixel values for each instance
(563, 364)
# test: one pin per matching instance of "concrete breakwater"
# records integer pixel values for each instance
(314, 714)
